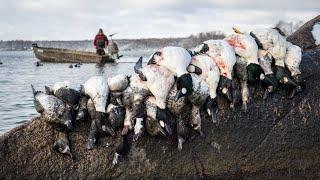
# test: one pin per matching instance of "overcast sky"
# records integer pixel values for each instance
(80, 19)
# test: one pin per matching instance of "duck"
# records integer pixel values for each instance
(63, 91)
(197, 95)
(240, 72)
(122, 148)
(52, 109)
(62, 144)
(117, 84)
(276, 46)
(246, 47)
(96, 87)
(180, 111)
(155, 124)
(292, 62)
(210, 73)
(176, 59)
(100, 124)
(224, 56)
(116, 115)
(133, 101)
(159, 81)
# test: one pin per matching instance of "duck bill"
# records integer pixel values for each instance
(163, 132)
(214, 112)
(227, 93)
(102, 117)
(270, 79)
(70, 154)
(179, 94)
(68, 124)
(168, 129)
(288, 81)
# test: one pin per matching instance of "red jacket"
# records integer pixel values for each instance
(101, 41)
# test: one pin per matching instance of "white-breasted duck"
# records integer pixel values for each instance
(97, 89)
(117, 84)
(292, 62)
(275, 44)
(224, 56)
(197, 95)
(159, 80)
(210, 73)
(246, 46)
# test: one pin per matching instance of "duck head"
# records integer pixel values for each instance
(138, 68)
(283, 78)
(165, 119)
(212, 108)
(225, 85)
(62, 146)
(184, 86)
(67, 116)
(201, 49)
(254, 71)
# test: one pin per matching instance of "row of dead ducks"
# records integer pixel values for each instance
(151, 101)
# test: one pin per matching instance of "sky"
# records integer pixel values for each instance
(81, 19)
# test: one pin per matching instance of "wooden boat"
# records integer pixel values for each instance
(58, 55)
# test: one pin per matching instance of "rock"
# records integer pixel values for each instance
(276, 139)
(303, 36)
(70, 66)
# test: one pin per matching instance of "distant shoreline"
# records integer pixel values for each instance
(124, 44)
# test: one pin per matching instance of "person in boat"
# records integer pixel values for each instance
(100, 42)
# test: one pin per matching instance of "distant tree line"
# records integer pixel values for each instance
(124, 44)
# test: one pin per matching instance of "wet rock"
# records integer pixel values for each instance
(303, 36)
(277, 139)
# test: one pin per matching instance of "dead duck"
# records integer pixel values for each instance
(224, 56)
(155, 123)
(52, 109)
(210, 73)
(292, 62)
(159, 81)
(246, 47)
(61, 145)
(180, 111)
(133, 101)
(100, 124)
(276, 46)
(197, 94)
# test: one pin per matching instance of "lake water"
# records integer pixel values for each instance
(18, 71)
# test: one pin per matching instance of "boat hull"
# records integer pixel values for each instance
(57, 55)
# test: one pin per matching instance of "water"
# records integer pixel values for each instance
(18, 71)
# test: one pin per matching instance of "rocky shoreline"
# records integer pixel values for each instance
(277, 138)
